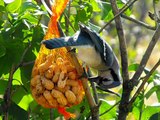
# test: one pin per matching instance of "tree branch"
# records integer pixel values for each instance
(7, 94)
(143, 83)
(123, 112)
(146, 56)
(124, 8)
(138, 22)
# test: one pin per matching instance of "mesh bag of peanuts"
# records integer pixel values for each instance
(55, 82)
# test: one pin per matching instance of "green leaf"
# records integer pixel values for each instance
(40, 113)
(149, 111)
(26, 5)
(2, 50)
(84, 13)
(152, 90)
(104, 107)
(16, 113)
(156, 1)
(1, 2)
(3, 86)
(133, 67)
(14, 6)
(155, 116)
(106, 13)
(82, 109)
(95, 5)
(21, 97)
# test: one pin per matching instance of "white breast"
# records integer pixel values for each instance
(89, 55)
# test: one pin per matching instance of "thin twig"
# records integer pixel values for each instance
(7, 95)
(124, 8)
(23, 55)
(138, 22)
(27, 63)
(67, 19)
(69, 22)
(146, 55)
(95, 94)
(143, 83)
(51, 114)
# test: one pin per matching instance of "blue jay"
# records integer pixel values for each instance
(95, 53)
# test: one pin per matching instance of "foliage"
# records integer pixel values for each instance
(23, 25)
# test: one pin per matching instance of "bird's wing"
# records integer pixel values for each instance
(101, 46)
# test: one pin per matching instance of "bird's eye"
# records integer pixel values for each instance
(75, 38)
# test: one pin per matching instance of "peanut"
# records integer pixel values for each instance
(34, 93)
(56, 77)
(35, 71)
(70, 96)
(72, 75)
(39, 88)
(49, 85)
(34, 80)
(59, 96)
(70, 68)
(56, 69)
(49, 74)
(52, 102)
(62, 101)
(72, 83)
(63, 68)
(42, 101)
(62, 81)
(79, 97)
(59, 61)
(76, 90)
(56, 93)
(44, 66)
(63, 89)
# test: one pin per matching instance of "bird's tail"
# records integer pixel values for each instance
(79, 39)
(58, 42)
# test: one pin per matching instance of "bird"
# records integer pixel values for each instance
(95, 52)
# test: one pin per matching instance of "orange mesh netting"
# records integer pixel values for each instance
(55, 82)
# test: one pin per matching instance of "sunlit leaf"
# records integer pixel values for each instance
(106, 13)
(104, 107)
(2, 2)
(14, 6)
(95, 5)
(149, 111)
(133, 67)
(26, 6)
(21, 97)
